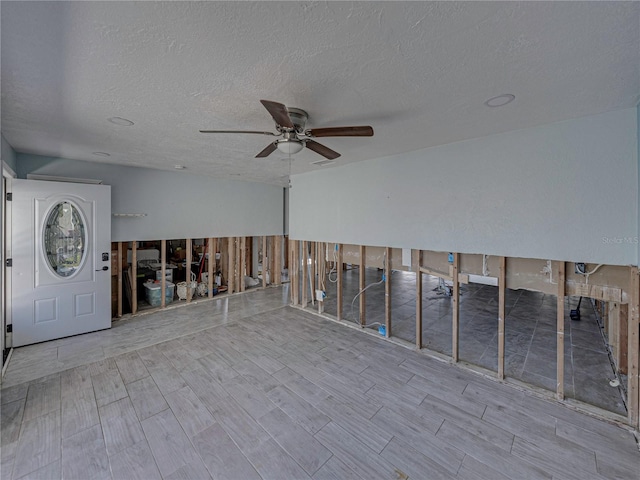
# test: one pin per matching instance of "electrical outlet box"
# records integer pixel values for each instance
(450, 257)
(320, 295)
(580, 268)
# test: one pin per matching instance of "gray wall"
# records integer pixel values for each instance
(177, 204)
(8, 155)
(564, 191)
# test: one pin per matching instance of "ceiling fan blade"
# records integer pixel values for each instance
(267, 151)
(322, 150)
(361, 131)
(279, 113)
(237, 131)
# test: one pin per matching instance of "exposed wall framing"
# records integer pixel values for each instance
(615, 286)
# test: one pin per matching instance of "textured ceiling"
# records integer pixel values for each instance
(418, 72)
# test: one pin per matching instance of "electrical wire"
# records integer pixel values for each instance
(334, 269)
(382, 280)
(586, 274)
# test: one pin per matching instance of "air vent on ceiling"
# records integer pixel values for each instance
(322, 163)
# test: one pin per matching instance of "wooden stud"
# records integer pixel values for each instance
(362, 285)
(339, 297)
(163, 272)
(134, 277)
(223, 244)
(305, 272)
(623, 340)
(188, 266)
(119, 267)
(633, 339)
(231, 274)
(560, 331)
(247, 243)
(242, 271)
(286, 249)
(212, 248)
(295, 270)
(387, 291)
(277, 259)
(238, 265)
(435, 273)
(265, 261)
(314, 268)
(502, 275)
(273, 278)
(455, 320)
(417, 261)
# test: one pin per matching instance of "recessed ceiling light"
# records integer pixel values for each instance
(102, 154)
(500, 100)
(179, 167)
(123, 122)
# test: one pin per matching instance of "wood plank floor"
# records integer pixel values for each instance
(246, 388)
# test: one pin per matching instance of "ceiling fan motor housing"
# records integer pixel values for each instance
(298, 118)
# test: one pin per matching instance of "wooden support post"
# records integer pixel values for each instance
(339, 297)
(387, 291)
(163, 272)
(242, 271)
(417, 261)
(265, 261)
(362, 285)
(295, 269)
(502, 275)
(314, 269)
(223, 244)
(239, 274)
(134, 277)
(247, 243)
(119, 267)
(212, 248)
(231, 270)
(623, 356)
(633, 350)
(560, 331)
(188, 272)
(290, 262)
(272, 259)
(277, 259)
(455, 320)
(305, 272)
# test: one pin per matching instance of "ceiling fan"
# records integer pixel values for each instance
(291, 126)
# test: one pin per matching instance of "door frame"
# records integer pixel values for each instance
(5, 252)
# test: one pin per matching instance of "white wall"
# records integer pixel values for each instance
(178, 205)
(564, 191)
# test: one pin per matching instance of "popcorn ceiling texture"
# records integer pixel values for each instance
(418, 72)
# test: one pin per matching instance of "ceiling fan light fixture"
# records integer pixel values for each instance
(290, 146)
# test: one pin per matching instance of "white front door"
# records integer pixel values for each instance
(61, 234)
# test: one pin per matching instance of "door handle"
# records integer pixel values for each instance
(103, 269)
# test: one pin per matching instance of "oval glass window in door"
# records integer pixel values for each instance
(64, 239)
